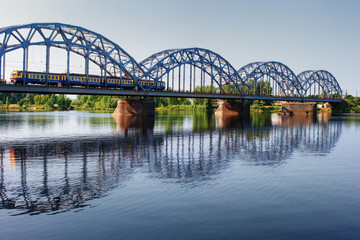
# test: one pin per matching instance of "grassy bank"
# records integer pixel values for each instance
(265, 108)
(182, 108)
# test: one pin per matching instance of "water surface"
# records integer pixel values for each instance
(87, 175)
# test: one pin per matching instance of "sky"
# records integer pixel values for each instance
(304, 35)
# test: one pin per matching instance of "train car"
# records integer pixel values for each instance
(159, 85)
(77, 80)
(17, 77)
(127, 83)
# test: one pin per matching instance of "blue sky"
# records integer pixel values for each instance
(304, 35)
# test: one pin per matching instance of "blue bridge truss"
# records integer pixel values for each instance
(189, 72)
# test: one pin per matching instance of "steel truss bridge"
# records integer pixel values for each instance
(189, 72)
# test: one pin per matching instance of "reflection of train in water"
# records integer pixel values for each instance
(56, 79)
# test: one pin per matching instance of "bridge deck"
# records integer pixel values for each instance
(117, 92)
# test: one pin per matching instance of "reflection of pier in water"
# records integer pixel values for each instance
(62, 174)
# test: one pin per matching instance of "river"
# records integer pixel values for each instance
(87, 175)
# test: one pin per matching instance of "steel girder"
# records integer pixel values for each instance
(247, 69)
(94, 47)
(220, 70)
(325, 80)
(277, 71)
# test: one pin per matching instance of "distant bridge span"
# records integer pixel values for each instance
(189, 72)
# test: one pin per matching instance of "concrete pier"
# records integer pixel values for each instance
(297, 108)
(135, 107)
(232, 108)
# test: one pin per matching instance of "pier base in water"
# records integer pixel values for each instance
(297, 108)
(135, 107)
(232, 108)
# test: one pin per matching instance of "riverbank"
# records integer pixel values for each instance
(186, 108)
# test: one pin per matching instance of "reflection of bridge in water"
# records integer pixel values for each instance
(59, 175)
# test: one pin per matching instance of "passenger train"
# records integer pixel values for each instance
(56, 79)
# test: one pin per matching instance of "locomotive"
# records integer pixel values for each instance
(56, 79)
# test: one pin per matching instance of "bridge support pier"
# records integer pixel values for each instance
(135, 107)
(233, 108)
(298, 108)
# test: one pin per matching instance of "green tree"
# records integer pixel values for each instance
(51, 101)
(23, 102)
(61, 102)
(260, 87)
(7, 103)
(67, 102)
(209, 105)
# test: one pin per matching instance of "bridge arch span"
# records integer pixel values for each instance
(320, 83)
(270, 78)
(95, 48)
(249, 68)
(219, 71)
